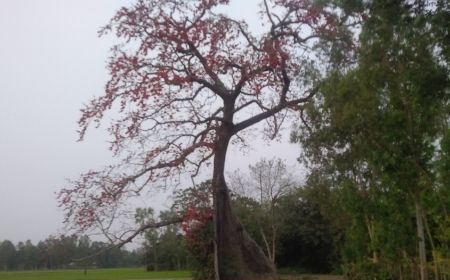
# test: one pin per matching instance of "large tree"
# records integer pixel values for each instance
(186, 80)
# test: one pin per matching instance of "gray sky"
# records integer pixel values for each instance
(51, 62)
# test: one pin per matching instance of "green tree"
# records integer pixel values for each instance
(307, 238)
(376, 131)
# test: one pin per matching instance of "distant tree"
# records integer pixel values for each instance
(187, 81)
(268, 181)
(20, 255)
(42, 252)
(172, 244)
(8, 255)
(83, 249)
(109, 257)
(30, 256)
(145, 216)
(165, 248)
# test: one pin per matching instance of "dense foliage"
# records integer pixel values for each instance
(376, 139)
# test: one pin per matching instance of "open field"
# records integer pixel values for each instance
(125, 274)
(95, 274)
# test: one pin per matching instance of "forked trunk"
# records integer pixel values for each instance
(236, 254)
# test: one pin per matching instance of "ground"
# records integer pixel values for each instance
(96, 274)
(125, 274)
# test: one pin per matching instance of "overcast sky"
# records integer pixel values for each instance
(51, 62)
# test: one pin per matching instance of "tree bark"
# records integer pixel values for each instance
(236, 254)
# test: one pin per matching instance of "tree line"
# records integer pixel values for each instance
(62, 252)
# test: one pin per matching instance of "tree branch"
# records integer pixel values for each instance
(130, 238)
(263, 115)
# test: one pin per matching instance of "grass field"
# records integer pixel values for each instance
(95, 274)
(126, 274)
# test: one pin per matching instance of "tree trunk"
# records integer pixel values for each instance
(371, 230)
(421, 237)
(263, 235)
(236, 254)
(155, 256)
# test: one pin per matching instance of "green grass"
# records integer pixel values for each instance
(95, 274)
(126, 274)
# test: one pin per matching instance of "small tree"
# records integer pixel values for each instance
(186, 80)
